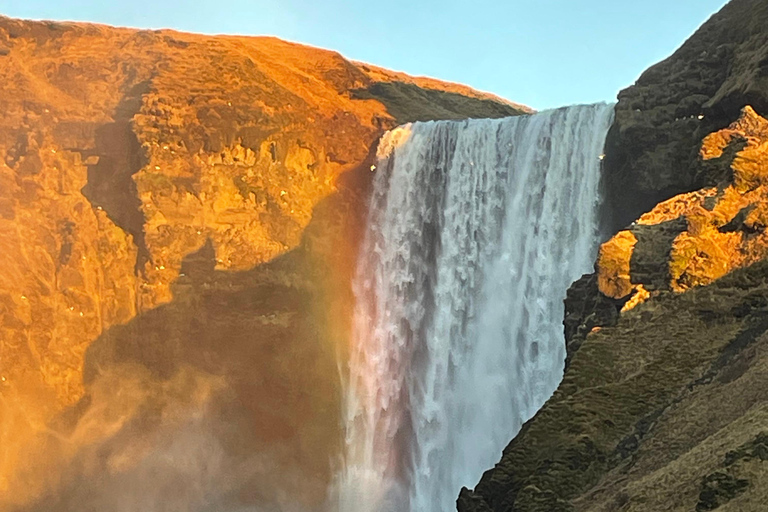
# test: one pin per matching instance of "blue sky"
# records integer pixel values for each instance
(543, 53)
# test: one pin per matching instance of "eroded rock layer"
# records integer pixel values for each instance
(695, 238)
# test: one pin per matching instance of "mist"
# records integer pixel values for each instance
(141, 443)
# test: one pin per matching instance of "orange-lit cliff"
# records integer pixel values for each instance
(179, 217)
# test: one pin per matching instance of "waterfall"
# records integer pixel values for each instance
(475, 231)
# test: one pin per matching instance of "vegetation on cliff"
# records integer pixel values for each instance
(652, 148)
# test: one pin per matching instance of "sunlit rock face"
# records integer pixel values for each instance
(652, 148)
(695, 238)
(160, 272)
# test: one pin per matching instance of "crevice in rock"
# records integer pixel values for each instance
(738, 223)
(649, 263)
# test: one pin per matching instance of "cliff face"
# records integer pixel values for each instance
(652, 148)
(178, 226)
(662, 406)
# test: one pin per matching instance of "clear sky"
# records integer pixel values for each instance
(543, 53)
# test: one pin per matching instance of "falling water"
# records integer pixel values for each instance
(476, 229)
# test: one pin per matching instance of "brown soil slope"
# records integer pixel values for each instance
(175, 237)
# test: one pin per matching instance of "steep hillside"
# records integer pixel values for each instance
(663, 404)
(652, 149)
(177, 238)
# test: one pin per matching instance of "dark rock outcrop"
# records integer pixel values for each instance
(586, 310)
(652, 148)
(692, 239)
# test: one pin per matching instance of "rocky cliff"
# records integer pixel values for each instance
(178, 225)
(652, 148)
(662, 406)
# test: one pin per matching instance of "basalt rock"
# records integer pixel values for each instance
(698, 237)
(687, 241)
(587, 310)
